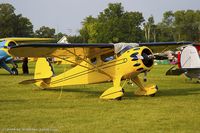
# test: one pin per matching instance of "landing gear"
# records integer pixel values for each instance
(149, 90)
(152, 95)
(14, 71)
(113, 93)
(119, 99)
(145, 77)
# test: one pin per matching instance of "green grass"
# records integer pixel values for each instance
(174, 109)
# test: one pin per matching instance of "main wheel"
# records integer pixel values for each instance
(152, 95)
(14, 71)
(120, 98)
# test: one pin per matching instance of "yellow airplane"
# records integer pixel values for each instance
(6, 43)
(99, 63)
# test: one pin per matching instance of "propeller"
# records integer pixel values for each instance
(160, 56)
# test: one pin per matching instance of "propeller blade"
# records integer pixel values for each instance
(160, 56)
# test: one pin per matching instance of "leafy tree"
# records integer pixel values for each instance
(23, 27)
(130, 27)
(165, 30)
(7, 16)
(187, 24)
(113, 25)
(59, 35)
(45, 32)
(75, 39)
(89, 31)
(149, 29)
(180, 26)
(13, 25)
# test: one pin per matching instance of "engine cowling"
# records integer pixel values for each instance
(142, 57)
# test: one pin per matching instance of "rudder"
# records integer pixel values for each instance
(190, 58)
(43, 69)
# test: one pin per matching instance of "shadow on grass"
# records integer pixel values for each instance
(76, 90)
(20, 74)
(179, 92)
(130, 95)
(13, 101)
(170, 92)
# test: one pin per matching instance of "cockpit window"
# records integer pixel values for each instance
(124, 50)
(108, 57)
(11, 44)
(93, 60)
(2, 43)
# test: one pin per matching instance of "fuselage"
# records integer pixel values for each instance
(190, 61)
(193, 73)
(105, 67)
(4, 55)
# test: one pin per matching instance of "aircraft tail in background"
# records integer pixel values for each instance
(190, 58)
(63, 40)
(43, 73)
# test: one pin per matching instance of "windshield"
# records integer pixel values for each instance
(124, 50)
(2, 43)
(120, 48)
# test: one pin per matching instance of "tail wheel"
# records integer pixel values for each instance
(152, 95)
(14, 71)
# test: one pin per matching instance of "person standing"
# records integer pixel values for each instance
(25, 66)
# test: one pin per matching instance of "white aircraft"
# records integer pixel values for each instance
(188, 62)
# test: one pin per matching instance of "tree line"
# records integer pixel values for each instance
(112, 25)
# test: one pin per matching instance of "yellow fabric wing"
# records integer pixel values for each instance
(60, 50)
(21, 40)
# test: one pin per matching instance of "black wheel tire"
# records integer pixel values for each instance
(123, 90)
(15, 71)
(119, 98)
(152, 95)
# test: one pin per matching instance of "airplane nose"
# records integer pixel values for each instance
(148, 57)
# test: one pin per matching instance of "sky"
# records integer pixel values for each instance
(66, 15)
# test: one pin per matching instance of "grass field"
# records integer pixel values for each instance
(174, 109)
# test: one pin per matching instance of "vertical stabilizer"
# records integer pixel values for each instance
(43, 69)
(190, 58)
(63, 40)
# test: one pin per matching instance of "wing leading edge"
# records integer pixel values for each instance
(59, 50)
(21, 40)
(158, 47)
(81, 49)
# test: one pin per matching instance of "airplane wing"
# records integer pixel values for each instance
(175, 71)
(178, 71)
(21, 40)
(159, 47)
(60, 50)
(81, 49)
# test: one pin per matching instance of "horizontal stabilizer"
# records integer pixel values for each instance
(32, 81)
(172, 71)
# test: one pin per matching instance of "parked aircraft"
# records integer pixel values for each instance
(188, 62)
(99, 63)
(5, 57)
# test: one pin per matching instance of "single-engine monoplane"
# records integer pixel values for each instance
(99, 63)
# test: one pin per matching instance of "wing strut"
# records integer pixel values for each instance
(94, 67)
